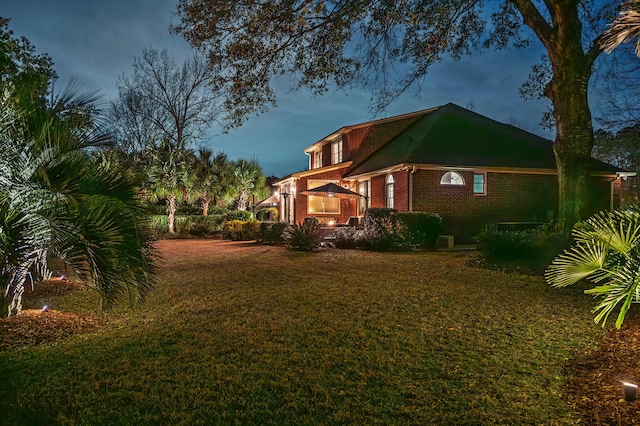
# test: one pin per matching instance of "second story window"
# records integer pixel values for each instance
(336, 152)
(317, 159)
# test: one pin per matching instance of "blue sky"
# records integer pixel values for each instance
(95, 41)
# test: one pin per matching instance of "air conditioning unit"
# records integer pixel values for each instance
(445, 242)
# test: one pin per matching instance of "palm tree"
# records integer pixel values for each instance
(56, 202)
(168, 175)
(212, 180)
(249, 180)
(607, 252)
(624, 28)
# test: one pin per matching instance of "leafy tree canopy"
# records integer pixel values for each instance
(21, 66)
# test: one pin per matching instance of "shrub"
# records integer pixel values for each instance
(304, 236)
(344, 238)
(232, 230)
(422, 228)
(250, 230)
(243, 215)
(382, 230)
(272, 233)
(186, 225)
(533, 248)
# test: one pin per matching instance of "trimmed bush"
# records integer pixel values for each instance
(243, 215)
(533, 248)
(232, 230)
(272, 232)
(187, 225)
(250, 230)
(382, 231)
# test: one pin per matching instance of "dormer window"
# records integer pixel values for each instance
(317, 159)
(336, 151)
(452, 178)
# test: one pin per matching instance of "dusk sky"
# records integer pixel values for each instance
(96, 41)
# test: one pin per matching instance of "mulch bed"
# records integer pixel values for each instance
(35, 326)
(595, 389)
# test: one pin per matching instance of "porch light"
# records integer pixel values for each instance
(630, 391)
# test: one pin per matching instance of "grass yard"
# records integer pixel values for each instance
(240, 333)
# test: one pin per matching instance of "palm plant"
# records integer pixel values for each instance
(212, 178)
(55, 202)
(607, 253)
(168, 175)
(249, 180)
(624, 28)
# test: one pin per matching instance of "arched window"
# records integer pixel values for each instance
(388, 191)
(452, 178)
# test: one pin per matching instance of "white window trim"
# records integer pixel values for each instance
(484, 184)
(389, 201)
(336, 151)
(317, 159)
(450, 182)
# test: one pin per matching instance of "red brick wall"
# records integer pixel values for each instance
(509, 197)
(347, 206)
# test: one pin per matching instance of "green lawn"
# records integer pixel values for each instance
(246, 334)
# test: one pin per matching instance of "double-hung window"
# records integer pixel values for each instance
(479, 184)
(336, 152)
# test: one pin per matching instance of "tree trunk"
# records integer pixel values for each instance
(205, 207)
(567, 90)
(574, 132)
(171, 213)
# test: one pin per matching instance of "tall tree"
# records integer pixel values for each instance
(168, 175)
(371, 42)
(161, 109)
(249, 180)
(212, 178)
(28, 73)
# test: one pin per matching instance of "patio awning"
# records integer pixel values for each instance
(331, 190)
(269, 202)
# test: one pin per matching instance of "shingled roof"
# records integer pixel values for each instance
(456, 137)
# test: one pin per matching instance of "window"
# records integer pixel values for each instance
(452, 178)
(479, 187)
(388, 191)
(317, 159)
(336, 152)
(363, 202)
(317, 204)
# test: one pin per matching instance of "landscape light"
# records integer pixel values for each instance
(630, 391)
(45, 308)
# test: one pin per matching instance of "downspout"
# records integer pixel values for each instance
(413, 170)
(611, 184)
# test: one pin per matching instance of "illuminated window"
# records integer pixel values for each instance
(479, 187)
(363, 202)
(452, 178)
(388, 191)
(318, 204)
(336, 152)
(317, 159)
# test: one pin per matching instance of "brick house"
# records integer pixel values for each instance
(472, 170)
